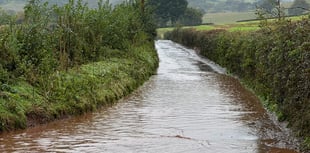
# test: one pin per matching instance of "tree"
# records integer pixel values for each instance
(270, 9)
(267, 5)
(166, 11)
(298, 7)
(192, 17)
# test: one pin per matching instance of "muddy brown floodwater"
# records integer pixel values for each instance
(190, 106)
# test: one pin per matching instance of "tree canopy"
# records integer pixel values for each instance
(192, 17)
(267, 5)
(168, 11)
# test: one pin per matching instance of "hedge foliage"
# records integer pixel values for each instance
(65, 60)
(274, 62)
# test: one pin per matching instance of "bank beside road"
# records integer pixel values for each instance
(60, 61)
(78, 90)
(273, 61)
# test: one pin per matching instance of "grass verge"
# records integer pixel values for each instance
(78, 90)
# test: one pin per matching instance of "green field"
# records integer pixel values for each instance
(231, 25)
(227, 18)
(226, 21)
(242, 26)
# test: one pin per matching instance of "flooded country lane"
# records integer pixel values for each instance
(190, 106)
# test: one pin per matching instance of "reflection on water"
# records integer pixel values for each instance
(190, 106)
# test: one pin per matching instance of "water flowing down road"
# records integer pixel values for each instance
(190, 106)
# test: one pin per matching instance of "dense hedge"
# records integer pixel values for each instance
(76, 91)
(274, 62)
(65, 60)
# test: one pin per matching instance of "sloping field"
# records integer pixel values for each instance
(228, 18)
(230, 25)
(242, 26)
(14, 6)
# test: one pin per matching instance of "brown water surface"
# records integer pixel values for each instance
(190, 106)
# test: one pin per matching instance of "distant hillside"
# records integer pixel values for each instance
(209, 6)
(215, 6)
(212, 6)
(18, 5)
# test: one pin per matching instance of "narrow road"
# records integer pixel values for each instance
(190, 106)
